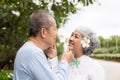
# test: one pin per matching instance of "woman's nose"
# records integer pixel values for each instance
(71, 38)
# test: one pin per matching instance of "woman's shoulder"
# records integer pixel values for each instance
(93, 62)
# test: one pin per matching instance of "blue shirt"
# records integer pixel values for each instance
(32, 64)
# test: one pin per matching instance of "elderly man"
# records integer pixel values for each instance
(31, 62)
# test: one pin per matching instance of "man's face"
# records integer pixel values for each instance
(52, 33)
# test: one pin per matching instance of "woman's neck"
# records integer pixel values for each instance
(77, 55)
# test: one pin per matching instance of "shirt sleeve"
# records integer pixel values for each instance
(53, 63)
(41, 70)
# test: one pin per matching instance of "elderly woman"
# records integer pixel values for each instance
(83, 42)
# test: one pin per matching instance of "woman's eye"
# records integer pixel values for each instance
(76, 36)
(71, 34)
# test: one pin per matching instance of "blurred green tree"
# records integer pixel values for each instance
(14, 15)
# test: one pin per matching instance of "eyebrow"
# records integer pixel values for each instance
(76, 33)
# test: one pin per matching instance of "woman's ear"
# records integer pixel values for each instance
(43, 32)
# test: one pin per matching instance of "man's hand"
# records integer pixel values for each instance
(68, 56)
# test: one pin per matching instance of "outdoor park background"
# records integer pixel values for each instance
(102, 16)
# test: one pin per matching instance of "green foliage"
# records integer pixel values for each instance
(87, 2)
(14, 18)
(60, 46)
(110, 50)
(6, 75)
(111, 54)
(107, 56)
(100, 51)
(113, 41)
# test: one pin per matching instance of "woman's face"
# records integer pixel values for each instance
(75, 42)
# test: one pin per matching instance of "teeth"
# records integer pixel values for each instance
(70, 43)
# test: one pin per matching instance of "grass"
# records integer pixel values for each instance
(6, 74)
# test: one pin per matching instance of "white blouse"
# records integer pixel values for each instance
(85, 68)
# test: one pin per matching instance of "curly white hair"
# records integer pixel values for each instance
(94, 41)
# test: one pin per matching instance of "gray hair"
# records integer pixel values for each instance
(94, 41)
(38, 20)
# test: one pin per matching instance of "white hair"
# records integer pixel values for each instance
(94, 41)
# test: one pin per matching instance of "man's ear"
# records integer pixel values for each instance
(43, 32)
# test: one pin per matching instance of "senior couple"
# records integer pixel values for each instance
(37, 58)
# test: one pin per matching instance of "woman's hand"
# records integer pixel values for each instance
(51, 52)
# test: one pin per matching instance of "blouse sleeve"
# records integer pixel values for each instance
(98, 73)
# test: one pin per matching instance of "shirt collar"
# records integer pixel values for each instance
(82, 58)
